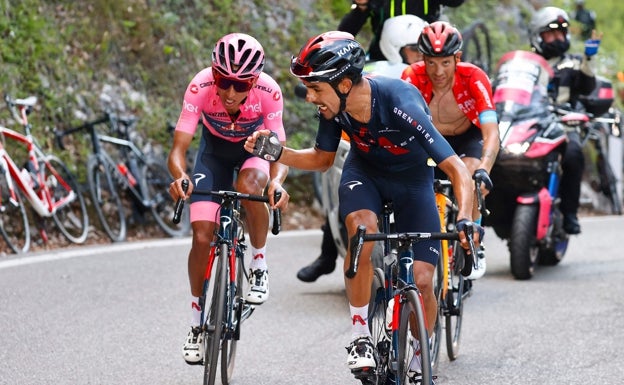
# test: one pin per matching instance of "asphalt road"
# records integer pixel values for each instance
(117, 314)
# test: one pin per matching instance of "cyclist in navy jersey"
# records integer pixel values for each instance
(392, 138)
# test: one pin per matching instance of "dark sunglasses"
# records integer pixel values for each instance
(225, 83)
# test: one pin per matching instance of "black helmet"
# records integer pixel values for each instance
(329, 57)
(440, 39)
(548, 19)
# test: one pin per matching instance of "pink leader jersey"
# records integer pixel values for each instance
(262, 109)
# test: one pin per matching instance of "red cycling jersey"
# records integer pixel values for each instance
(472, 88)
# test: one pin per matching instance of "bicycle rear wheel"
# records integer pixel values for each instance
(71, 218)
(13, 218)
(157, 180)
(228, 346)
(412, 317)
(454, 303)
(105, 197)
(214, 318)
(477, 48)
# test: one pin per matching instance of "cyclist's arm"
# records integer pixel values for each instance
(177, 163)
(463, 185)
(491, 145)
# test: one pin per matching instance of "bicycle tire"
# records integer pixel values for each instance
(156, 181)
(412, 311)
(228, 346)
(216, 312)
(377, 323)
(477, 47)
(14, 224)
(104, 189)
(454, 304)
(71, 219)
(436, 336)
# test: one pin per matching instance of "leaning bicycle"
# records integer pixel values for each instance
(123, 179)
(45, 182)
(223, 305)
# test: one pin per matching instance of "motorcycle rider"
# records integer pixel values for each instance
(398, 44)
(574, 76)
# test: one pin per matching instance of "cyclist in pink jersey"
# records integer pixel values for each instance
(459, 96)
(231, 99)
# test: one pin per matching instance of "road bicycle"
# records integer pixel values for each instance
(450, 284)
(122, 178)
(395, 283)
(223, 305)
(477, 47)
(44, 180)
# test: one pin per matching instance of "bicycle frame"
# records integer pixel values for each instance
(40, 198)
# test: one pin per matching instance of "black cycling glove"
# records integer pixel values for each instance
(482, 177)
(268, 147)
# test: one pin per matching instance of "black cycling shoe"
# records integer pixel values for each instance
(321, 265)
(571, 224)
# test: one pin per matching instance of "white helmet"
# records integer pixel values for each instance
(398, 32)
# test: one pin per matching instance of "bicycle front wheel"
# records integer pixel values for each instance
(13, 218)
(239, 312)
(70, 217)
(436, 336)
(157, 180)
(412, 319)
(105, 198)
(214, 318)
(454, 303)
(377, 323)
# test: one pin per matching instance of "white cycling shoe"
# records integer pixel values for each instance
(193, 350)
(361, 354)
(259, 287)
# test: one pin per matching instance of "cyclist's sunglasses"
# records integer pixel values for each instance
(305, 71)
(225, 83)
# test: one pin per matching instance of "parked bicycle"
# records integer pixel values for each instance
(43, 179)
(123, 178)
(395, 283)
(226, 308)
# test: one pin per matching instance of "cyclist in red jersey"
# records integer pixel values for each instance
(232, 99)
(459, 96)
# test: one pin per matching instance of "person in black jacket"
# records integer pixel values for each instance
(378, 11)
(574, 76)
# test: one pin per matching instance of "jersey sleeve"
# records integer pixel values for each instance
(193, 96)
(481, 90)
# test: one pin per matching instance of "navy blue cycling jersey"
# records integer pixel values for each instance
(399, 137)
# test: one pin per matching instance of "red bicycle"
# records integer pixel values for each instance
(44, 180)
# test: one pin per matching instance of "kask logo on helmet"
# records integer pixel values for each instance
(343, 51)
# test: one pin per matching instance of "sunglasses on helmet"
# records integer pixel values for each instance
(304, 70)
(225, 83)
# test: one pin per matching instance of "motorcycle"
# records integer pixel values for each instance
(524, 202)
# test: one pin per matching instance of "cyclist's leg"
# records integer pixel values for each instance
(252, 179)
(360, 203)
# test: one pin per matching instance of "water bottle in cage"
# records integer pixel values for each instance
(125, 172)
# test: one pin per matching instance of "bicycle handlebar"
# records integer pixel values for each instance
(360, 237)
(234, 195)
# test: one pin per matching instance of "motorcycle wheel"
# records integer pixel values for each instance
(523, 248)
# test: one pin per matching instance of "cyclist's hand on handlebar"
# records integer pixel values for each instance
(483, 178)
(176, 191)
(462, 226)
(284, 199)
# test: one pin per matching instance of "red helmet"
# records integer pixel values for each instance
(440, 39)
